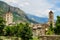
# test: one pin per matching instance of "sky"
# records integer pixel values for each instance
(38, 8)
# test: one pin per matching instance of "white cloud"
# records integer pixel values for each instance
(39, 8)
(43, 13)
(22, 5)
(14, 1)
(26, 3)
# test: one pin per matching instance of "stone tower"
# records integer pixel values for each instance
(51, 18)
(9, 17)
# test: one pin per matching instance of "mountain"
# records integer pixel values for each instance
(38, 19)
(18, 14)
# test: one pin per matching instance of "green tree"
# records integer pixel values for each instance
(57, 28)
(26, 32)
(7, 31)
(50, 30)
(2, 25)
(21, 30)
(10, 31)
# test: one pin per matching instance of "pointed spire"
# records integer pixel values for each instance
(50, 12)
(9, 9)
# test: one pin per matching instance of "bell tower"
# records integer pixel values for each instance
(9, 17)
(51, 18)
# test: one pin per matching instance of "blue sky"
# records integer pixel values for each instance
(38, 8)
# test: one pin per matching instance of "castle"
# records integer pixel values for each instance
(8, 17)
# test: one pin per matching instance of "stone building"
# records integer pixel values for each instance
(8, 17)
(40, 29)
(51, 18)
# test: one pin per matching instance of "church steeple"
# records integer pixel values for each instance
(9, 17)
(50, 12)
(51, 17)
(9, 9)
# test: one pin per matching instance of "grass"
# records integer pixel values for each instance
(35, 38)
(8, 38)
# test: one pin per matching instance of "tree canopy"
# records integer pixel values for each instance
(57, 28)
(2, 25)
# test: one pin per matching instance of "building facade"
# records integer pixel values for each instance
(8, 17)
(40, 29)
(51, 18)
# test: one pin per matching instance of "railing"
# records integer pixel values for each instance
(49, 37)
